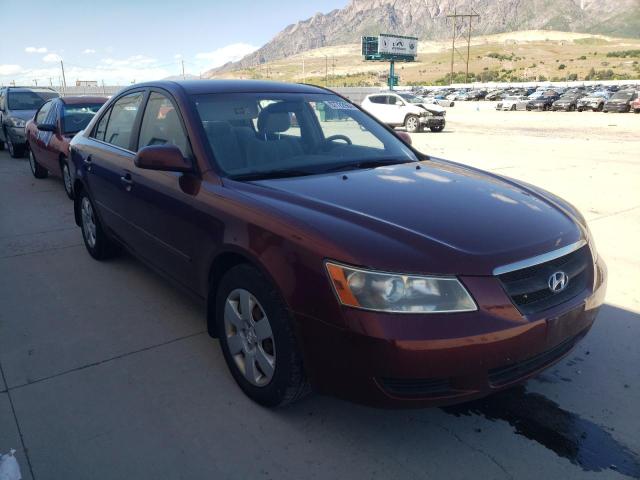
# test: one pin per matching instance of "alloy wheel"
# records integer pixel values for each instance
(88, 222)
(249, 337)
(412, 124)
(66, 176)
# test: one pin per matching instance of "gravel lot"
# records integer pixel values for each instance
(107, 372)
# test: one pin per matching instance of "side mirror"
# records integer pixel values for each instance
(404, 136)
(165, 158)
(47, 127)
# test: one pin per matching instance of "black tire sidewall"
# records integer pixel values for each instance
(103, 247)
(288, 366)
(37, 170)
(64, 163)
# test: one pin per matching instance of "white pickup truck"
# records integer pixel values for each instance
(400, 109)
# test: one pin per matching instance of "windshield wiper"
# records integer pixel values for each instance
(365, 164)
(245, 177)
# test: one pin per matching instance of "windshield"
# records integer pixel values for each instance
(622, 96)
(77, 117)
(411, 98)
(29, 100)
(255, 135)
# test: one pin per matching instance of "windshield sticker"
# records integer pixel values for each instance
(339, 105)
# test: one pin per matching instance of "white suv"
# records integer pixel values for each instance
(405, 110)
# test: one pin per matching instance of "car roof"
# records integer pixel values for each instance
(31, 89)
(200, 87)
(82, 99)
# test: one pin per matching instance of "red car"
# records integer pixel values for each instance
(635, 105)
(331, 254)
(49, 132)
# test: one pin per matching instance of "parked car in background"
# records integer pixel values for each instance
(635, 105)
(49, 133)
(405, 110)
(495, 95)
(310, 246)
(594, 101)
(544, 102)
(620, 101)
(513, 103)
(568, 102)
(17, 106)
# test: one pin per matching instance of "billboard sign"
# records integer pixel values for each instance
(397, 45)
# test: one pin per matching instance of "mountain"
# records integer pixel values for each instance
(427, 19)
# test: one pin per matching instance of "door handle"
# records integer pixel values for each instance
(87, 162)
(127, 181)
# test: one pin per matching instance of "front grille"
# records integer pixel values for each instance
(529, 288)
(514, 372)
(416, 387)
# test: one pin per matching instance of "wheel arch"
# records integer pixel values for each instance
(78, 188)
(225, 260)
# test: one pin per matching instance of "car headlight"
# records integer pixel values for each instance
(387, 292)
(16, 122)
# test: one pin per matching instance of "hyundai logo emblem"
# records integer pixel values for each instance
(558, 282)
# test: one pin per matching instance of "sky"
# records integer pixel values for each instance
(120, 41)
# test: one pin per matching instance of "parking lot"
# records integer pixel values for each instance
(108, 373)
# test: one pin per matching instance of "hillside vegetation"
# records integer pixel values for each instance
(519, 56)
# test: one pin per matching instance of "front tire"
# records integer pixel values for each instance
(98, 244)
(437, 128)
(257, 339)
(16, 151)
(37, 170)
(412, 123)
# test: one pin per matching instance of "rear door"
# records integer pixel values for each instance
(108, 162)
(49, 155)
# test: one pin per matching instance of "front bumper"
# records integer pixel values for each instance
(17, 135)
(616, 107)
(388, 360)
(434, 121)
(561, 108)
(537, 106)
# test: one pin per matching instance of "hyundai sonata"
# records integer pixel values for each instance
(331, 254)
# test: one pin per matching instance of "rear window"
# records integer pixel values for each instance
(28, 100)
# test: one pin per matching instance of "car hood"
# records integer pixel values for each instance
(430, 107)
(23, 114)
(454, 209)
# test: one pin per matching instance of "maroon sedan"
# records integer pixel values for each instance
(50, 131)
(330, 253)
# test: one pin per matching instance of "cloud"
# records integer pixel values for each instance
(10, 69)
(36, 50)
(51, 57)
(229, 53)
(177, 56)
(88, 51)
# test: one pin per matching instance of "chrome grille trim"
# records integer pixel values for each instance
(538, 259)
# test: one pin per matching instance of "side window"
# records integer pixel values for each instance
(122, 119)
(101, 128)
(52, 117)
(378, 99)
(161, 125)
(43, 112)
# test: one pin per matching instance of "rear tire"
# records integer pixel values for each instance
(98, 244)
(513, 108)
(412, 123)
(263, 358)
(37, 170)
(66, 178)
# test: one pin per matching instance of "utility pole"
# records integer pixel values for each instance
(50, 81)
(183, 77)
(469, 17)
(35, 81)
(64, 80)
